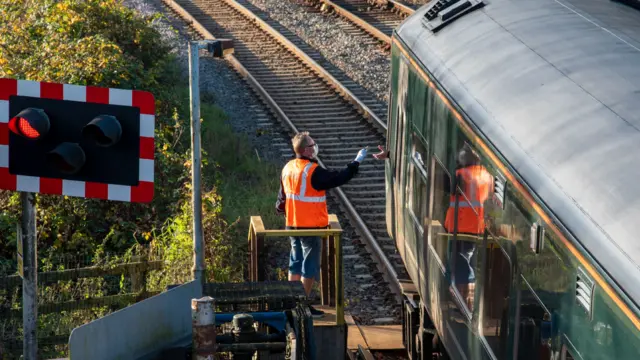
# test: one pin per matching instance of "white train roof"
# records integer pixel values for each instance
(555, 87)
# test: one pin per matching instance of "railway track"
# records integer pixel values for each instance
(375, 18)
(342, 118)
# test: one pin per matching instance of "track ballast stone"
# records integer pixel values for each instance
(362, 61)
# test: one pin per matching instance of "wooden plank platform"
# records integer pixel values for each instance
(383, 337)
(329, 318)
(373, 337)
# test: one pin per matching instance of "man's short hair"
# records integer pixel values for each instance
(300, 142)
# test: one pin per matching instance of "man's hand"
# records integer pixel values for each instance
(384, 154)
(361, 155)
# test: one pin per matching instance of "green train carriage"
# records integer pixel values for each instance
(548, 94)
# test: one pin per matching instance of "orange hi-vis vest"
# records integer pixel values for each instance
(478, 184)
(305, 207)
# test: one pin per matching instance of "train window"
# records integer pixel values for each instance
(417, 99)
(474, 184)
(418, 178)
(496, 297)
(441, 190)
(399, 113)
(442, 119)
(534, 335)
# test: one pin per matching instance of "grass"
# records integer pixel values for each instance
(247, 185)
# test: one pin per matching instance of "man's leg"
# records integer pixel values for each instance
(295, 259)
(311, 247)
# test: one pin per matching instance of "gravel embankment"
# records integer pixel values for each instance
(363, 62)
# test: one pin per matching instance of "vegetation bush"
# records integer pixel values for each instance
(103, 43)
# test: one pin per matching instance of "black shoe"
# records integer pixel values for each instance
(315, 312)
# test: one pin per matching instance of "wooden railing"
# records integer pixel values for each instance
(331, 268)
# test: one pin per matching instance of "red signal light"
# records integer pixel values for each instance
(26, 129)
(30, 123)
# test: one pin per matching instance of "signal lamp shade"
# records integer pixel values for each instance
(104, 130)
(67, 158)
(30, 123)
(221, 47)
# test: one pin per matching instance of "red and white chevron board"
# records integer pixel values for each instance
(140, 99)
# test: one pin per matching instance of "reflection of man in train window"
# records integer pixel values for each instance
(476, 184)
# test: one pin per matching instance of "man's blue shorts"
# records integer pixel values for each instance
(305, 256)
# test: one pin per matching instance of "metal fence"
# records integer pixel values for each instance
(73, 292)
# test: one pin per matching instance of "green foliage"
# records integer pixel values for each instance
(247, 185)
(100, 43)
(103, 43)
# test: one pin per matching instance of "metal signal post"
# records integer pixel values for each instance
(29, 274)
(217, 48)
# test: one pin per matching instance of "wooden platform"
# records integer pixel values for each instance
(331, 339)
(373, 337)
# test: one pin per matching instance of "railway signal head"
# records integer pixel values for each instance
(220, 47)
(76, 140)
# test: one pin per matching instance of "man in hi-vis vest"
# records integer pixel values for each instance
(303, 202)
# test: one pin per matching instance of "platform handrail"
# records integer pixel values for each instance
(331, 267)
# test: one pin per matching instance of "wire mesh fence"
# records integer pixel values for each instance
(73, 291)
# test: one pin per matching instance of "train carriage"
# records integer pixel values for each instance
(547, 93)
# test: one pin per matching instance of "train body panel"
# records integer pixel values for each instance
(555, 276)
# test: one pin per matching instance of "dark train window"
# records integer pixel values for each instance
(442, 120)
(399, 112)
(416, 99)
(441, 189)
(418, 178)
(534, 335)
(496, 297)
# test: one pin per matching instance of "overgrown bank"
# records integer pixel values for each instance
(103, 43)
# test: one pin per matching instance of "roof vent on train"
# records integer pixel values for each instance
(443, 12)
(632, 3)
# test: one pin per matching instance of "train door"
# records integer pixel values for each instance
(542, 279)
(399, 152)
(416, 187)
(440, 120)
(391, 146)
(480, 267)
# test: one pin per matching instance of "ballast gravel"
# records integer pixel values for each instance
(362, 61)
(229, 91)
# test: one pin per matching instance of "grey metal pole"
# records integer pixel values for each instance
(30, 278)
(196, 161)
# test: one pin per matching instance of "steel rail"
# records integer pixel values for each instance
(359, 22)
(366, 25)
(384, 265)
(402, 7)
(344, 91)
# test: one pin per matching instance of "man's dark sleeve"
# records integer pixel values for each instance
(280, 203)
(323, 179)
